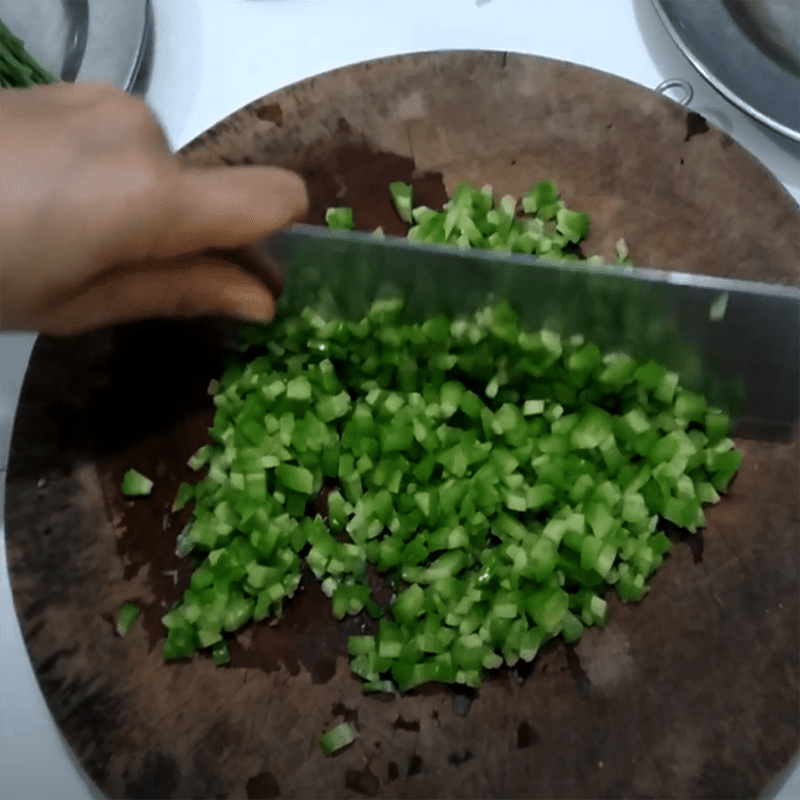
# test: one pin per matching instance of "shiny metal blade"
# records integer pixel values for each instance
(746, 362)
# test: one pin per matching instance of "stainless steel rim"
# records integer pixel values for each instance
(143, 47)
(126, 18)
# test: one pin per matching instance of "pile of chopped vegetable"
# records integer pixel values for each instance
(501, 480)
(538, 224)
(18, 68)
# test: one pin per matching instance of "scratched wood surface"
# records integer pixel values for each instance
(691, 693)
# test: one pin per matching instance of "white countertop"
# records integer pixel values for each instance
(213, 56)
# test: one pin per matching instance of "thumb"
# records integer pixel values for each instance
(188, 286)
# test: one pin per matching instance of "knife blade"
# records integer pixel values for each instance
(747, 362)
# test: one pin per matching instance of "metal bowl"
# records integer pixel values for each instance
(83, 40)
(749, 50)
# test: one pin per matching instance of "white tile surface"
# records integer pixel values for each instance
(15, 350)
(213, 56)
(34, 762)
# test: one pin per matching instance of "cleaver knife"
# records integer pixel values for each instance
(736, 341)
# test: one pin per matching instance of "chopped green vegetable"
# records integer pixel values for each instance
(336, 738)
(340, 219)
(401, 194)
(298, 479)
(128, 614)
(502, 480)
(542, 199)
(185, 495)
(573, 224)
(471, 218)
(134, 484)
(718, 308)
(220, 653)
(623, 259)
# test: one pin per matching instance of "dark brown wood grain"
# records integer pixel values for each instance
(692, 693)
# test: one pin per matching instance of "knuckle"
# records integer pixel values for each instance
(98, 92)
(134, 112)
(140, 111)
(147, 126)
(98, 88)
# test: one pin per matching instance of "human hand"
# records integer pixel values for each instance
(100, 223)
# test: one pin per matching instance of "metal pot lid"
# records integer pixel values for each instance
(749, 50)
(83, 40)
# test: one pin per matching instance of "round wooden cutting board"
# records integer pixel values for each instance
(692, 693)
